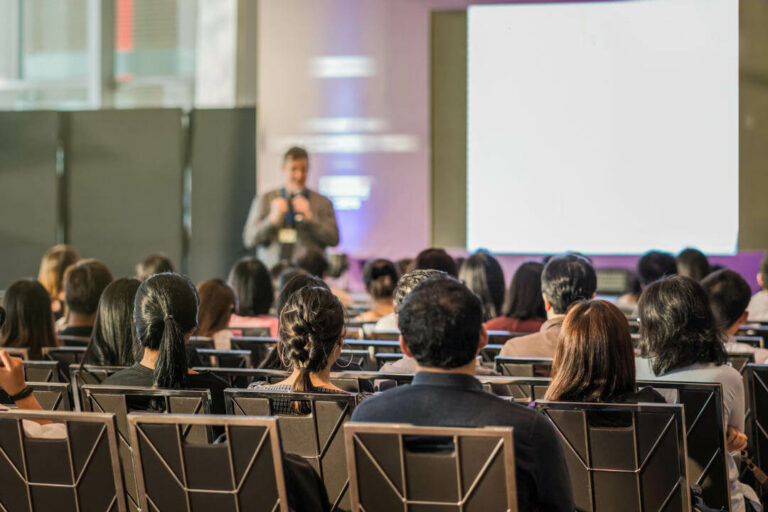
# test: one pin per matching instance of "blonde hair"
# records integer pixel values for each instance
(56, 261)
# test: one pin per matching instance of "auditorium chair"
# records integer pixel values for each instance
(242, 473)
(753, 341)
(89, 374)
(225, 358)
(521, 389)
(523, 366)
(628, 457)
(42, 371)
(705, 436)
(755, 329)
(251, 332)
(740, 360)
(381, 335)
(67, 340)
(52, 396)
(201, 342)
(243, 377)
(403, 467)
(78, 473)
(120, 400)
(258, 346)
(373, 346)
(361, 357)
(489, 353)
(65, 356)
(382, 359)
(501, 337)
(20, 352)
(315, 436)
(757, 406)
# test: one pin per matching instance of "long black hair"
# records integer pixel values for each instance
(677, 327)
(165, 310)
(29, 320)
(524, 300)
(253, 287)
(483, 275)
(113, 340)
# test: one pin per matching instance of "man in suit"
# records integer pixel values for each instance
(565, 280)
(285, 223)
(441, 328)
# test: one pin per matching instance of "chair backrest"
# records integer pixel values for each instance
(258, 345)
(402, 467)
(382, 359)
(253, 332)
(383, 335)
(120, 400)
(225, 358)
(755, 330)
(77, 472)
(757, 405)
(501, 337)
(243, 377)
(361, 357)
(67, 340)
(373, 346)
(90, 374)
(65, 356)
(201, 342)
(315, 436)
(739, 360)
(628, 457)
(20, 352)
(42, 371)
(524, 366)
(52, 396)
(705, 436)
(243, 473)
(521, 389)
(753, 341)
(490, 351)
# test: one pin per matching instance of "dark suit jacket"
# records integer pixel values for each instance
(457, 400)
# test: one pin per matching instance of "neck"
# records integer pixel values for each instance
(321, 379)
(467, 369)
(81, 320)
(551, 314)
(149, 358)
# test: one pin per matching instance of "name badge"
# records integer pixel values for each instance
(287, 236)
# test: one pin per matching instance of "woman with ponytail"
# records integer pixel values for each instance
(165, 315)
(380, 278)
(311, 337)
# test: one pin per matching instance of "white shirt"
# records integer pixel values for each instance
(758, 306)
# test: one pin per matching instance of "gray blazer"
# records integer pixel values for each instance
(318, 233)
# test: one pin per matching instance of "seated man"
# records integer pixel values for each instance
(442, 329)
(565, 280)
(83, 284)
(729, 296)
(405, 285)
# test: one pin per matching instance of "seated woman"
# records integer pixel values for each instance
(113, 341)
(595, 359)
(524, 308)
(29, 320)
(217, 305)
(165, 315)
(680, 341)
(311, 337)
(56, 261)
(380, 278)
(252, 283)
(483, 275)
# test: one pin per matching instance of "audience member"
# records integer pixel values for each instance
(29, 321)
(595, 359)
(655, 265)
(444, 392)
(165, 316)
(56, 261)
(380, 278)
(436, 259)
(692, 263)
(252, 283)
(524, 307)
(483, 275)
(83, 284)
(311, 338)
(627, 303)
(113, 341)
(729, 296)
(680, 341)
(153, 264)
(405, 285)
(404, 265)
(564, 281)
(315, 263)
(758, 306)
(217, 305)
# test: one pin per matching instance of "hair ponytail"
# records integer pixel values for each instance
(171, 363)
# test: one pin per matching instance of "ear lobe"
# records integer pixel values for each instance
(404, 347)
(547, 305)
(760, 280)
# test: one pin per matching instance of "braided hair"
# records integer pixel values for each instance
(311, 325)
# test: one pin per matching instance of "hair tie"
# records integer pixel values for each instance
(168, 317)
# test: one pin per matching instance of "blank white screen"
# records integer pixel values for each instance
(603, 127)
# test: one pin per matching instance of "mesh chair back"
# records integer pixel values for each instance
(201, 342)
(120, 400)
(225, 358)
(316, 436)
(73, 341)
(90, 374)
(174, 474)
(705, 436)
(52, 396)
(628, 457)
(42, 371)
(524, 366)
(402, 467)
(79, 472)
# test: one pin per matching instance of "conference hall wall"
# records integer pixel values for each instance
(120, 184)
(448, 118)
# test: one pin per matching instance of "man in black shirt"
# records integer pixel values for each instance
(83, 284)
(441, 326)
